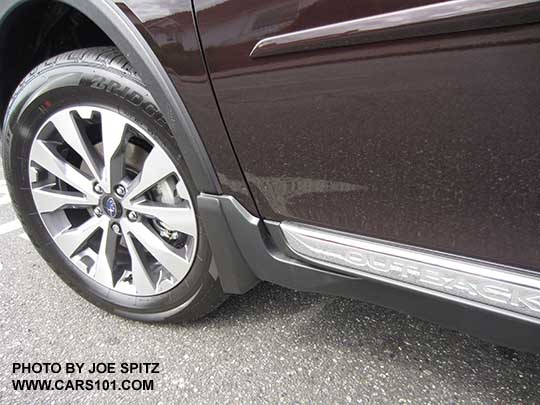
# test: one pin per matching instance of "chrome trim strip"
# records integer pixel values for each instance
(314, 37)
(514, 290)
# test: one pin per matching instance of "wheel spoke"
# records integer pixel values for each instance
(112, 127)
(51, 161)
(141, 279)
(71, 240)
(49, 200)
(106, 255)
(176, 218)
(166, 255)
(182, 191)
(156, 168)
(66, 126)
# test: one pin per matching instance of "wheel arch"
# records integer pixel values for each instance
(111, 25)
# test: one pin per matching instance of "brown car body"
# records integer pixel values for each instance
(430, 141)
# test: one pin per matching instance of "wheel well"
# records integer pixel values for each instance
(35, 32)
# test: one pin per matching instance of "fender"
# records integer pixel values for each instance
(123, 33)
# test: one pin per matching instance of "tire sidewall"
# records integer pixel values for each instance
(74, 85)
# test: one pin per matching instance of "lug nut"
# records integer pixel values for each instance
(98, 211)
(98, 189)
(116, 229)
(120, 190)
(170, 235)
(132, 216)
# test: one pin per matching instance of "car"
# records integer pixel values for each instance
(163, 155)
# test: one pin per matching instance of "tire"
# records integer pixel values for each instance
(103, 79)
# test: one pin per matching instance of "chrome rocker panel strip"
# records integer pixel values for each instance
(515, 291)
(350, 32)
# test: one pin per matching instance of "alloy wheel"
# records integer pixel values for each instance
(113, 201)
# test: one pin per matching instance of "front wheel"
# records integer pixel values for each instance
(103, 192)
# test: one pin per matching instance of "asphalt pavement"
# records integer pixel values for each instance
(271, 345)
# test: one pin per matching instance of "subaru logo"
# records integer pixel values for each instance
(111, 207)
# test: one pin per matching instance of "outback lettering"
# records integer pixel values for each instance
(461, 284)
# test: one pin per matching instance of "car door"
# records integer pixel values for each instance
(409, 121)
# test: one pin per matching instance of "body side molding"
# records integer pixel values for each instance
(401, 24)
(510, 289)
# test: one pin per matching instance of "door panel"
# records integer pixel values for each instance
(432, 141)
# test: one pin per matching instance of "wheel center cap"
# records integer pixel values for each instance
(111, 207)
